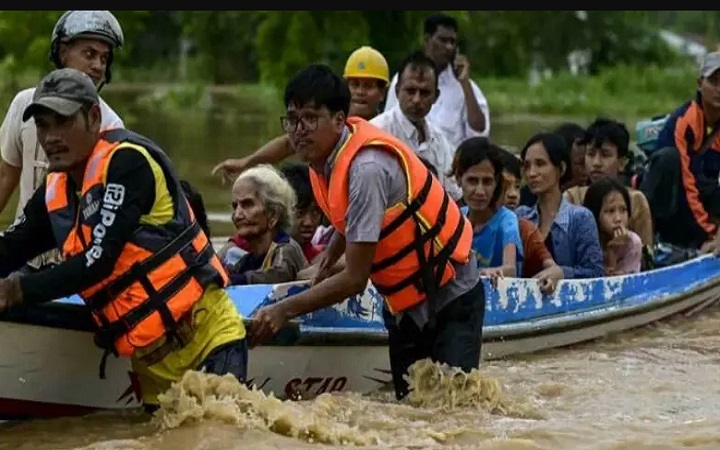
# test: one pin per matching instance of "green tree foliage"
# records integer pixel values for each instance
(269, 46)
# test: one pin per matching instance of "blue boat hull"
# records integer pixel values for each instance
(516, 304)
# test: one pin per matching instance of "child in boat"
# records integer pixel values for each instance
(609, 202)
(496, 241)
(308, 215)
(262, 251)
(537, 260)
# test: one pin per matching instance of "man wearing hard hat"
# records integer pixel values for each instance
(367, 74)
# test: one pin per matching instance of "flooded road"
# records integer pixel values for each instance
(654, 388)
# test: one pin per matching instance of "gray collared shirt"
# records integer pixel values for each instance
(376, 182)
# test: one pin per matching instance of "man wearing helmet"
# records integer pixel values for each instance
(367, 74)
(82, 40)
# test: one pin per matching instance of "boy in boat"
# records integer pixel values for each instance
(131, 247)
(396, 226)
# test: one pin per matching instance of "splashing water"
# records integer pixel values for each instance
(442, 386)
(200, 396)
(652, 389)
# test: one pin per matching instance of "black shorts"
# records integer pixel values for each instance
(228, 358)
(456, 338)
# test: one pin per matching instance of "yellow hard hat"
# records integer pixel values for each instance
(366, 62)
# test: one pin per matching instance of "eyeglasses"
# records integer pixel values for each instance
(290, 124)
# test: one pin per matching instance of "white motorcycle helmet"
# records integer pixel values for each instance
(86, 24)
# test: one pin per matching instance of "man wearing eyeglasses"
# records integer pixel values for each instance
(395, 224)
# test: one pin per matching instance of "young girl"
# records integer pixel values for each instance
(496, 241)
(609, 202)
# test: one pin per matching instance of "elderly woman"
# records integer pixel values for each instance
(262, 251)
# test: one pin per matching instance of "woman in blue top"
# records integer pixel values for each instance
(496, 241)
(570, 231)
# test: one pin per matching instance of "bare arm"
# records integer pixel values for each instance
(475, 117)
(12, 147)
(350, 281)
(9, 179)
(272, 152)
(509, 261)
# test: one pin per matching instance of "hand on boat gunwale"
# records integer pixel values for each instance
(267, 322)
(712, 245)
(548, 278)
(10, 293)
(494, 273)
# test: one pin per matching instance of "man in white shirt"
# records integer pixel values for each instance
(461, 110)
(82, 40)
(416, 91)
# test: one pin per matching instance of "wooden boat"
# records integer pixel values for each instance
(49, 364)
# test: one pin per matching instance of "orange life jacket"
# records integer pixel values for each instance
(162, 270)
(420, 237)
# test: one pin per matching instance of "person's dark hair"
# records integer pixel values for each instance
(434, 21)
(511, 163)
(570, 133)
(608, 130)
(298, 175)
(474, 151)
(319, 86)
(417, 60)
(429, 165)
(557, 151)
(598, 190)
(198, 206)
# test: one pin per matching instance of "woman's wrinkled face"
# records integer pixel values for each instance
(250, 217)
(539, 171)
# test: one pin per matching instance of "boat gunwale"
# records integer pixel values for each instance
(352, 337)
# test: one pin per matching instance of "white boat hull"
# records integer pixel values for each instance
(49, 371)
(52, 371)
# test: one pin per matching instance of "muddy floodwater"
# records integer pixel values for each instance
(653, 388)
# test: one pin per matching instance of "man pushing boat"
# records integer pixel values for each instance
(396, 226)
(132, 249)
